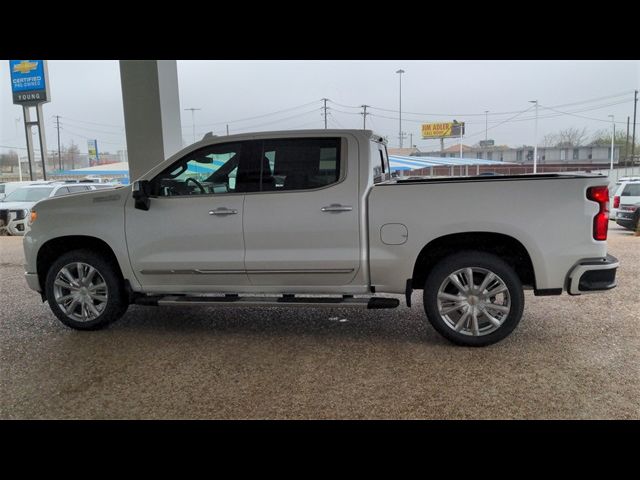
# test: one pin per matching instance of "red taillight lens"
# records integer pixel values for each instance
(601, 220)
(616, 201)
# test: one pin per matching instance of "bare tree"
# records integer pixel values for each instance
(70, 156)
(8, 161)
(572, 137)
(549, 140)
(568, 137)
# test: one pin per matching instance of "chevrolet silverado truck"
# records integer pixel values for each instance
(314, 218)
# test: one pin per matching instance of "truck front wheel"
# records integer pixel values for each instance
(85, 291)
(473, 298)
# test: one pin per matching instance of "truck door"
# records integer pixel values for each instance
(191, 237)
(302, 227)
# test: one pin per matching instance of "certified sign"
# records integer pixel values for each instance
(29, 83)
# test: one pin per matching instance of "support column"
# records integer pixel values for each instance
(151, 112)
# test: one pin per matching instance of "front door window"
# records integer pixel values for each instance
(207, 171)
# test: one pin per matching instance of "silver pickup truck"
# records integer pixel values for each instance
(313, 218)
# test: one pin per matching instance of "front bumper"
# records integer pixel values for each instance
(14, 222)
(593, 275)
(33, 281)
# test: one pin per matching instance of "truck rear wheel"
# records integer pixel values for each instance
(85, 291)
(473, 298)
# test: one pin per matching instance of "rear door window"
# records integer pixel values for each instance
(299, 163)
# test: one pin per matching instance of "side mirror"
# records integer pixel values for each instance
(141, 190)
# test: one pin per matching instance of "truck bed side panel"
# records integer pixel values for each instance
(550, 216)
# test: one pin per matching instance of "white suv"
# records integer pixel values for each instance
(15, 208)
(627, 193)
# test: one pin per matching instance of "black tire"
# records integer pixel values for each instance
(117, 298)
(473, 259)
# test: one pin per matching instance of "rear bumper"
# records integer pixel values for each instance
(593, 275)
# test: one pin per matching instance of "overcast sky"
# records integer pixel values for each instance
(87, 96)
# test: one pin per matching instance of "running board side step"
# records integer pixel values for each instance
(284, 301)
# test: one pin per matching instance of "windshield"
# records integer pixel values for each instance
(28, 194)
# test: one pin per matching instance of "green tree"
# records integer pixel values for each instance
(603, 138)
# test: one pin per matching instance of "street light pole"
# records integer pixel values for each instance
(193, 121)
(400, 72)
(535, 139)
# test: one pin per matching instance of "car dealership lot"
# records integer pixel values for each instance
(571, 357)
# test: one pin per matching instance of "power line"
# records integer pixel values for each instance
(93, 130)
(345, 106)
(259, 116)
(580, 116)
(92, 123)
(89, 138)
(497, 113)
(13, 148)
(553, 115)
(278, 120)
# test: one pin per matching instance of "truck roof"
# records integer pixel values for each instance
(282, 133)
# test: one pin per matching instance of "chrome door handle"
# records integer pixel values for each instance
(222, 211)
(336, 207)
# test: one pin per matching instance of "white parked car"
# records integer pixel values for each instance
(9, 187)
(314, 219)
(15, 209)
(626, 192)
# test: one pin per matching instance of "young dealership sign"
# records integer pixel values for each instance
(30, 88)
(29, 81)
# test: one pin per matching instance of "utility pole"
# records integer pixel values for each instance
(633, 138)
(486, 125)
(193, 121)
(626, 149)
(325, 112)
(535, 139)
(613, 135)
(227, 129)
(400, 135)
(58, 128)
(364, 117)
(411, 140)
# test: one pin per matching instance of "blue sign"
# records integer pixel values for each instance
(28, 81)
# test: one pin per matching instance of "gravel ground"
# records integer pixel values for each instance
(570, 358)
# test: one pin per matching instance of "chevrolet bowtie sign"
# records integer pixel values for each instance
(29, 83)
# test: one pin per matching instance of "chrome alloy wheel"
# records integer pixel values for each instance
(474, 301)
(80, 291)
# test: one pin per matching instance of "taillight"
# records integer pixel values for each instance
(616, 201)
(601, 220)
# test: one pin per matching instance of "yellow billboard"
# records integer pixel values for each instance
(442, 129)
